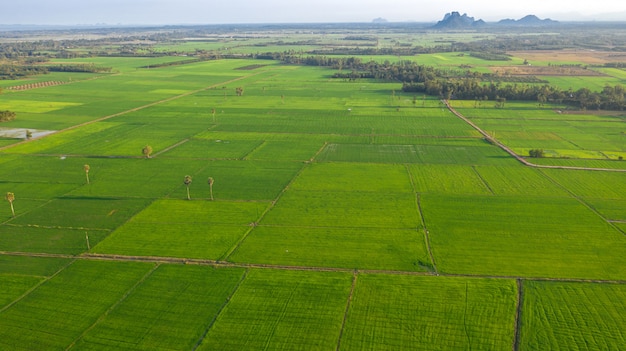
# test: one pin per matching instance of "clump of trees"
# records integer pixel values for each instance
(536, 153)
(6, 116)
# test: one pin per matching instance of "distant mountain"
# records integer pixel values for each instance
(528, 21)
(379, 20)
(454, 20)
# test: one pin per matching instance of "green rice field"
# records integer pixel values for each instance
(321, 215)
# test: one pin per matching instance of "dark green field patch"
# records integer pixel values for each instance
(281, 310)
(242, 180)
(56, 313)
(32, 266)
(518, 180)
(341, 177)
(180, 228)
(278, 150)
(83, 212)
(48, 240)
(435, 154)
(135, 178)
(357, 210)
(591, 184)
(170, 310)
(15, 286)
(448, 179)
(361, 248)
(430, 313)
(560, 315)
(547, 237)
(213, 149)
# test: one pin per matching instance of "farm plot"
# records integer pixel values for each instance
(48, 240)
(362, 248)
(242, 180)
(590, 184)
(282, 310)
(214, 149)
(31, 266)
(170, 310)
(522, 236)
(518, 180)
(134, 178)
(430, 313)
(180, 228)
(448, 179)
(301, 150)
(434, 154)
(570, 316)
(344, 210)
(348, 177)
(58, 312)
(82, 213)
(14, 286)
(612, 210)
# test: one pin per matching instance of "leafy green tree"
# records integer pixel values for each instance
(187, 182)
(536, 153)
(10, 198)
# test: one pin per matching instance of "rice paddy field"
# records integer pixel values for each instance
(322, 215)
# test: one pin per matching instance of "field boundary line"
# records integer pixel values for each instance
(418, 207)
(36, 286)
(247, 155)
(135, 109)
(171, 147)
(219, 312)
(217, 264)
(355, 276)
(583, 202)
(114, 306)
(418, 199)
(480, 176)
(494, 141)
(518, 315)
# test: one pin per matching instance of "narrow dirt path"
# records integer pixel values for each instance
(518, 315)
(355, 276)
(518, 157)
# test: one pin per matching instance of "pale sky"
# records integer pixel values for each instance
(71, 12)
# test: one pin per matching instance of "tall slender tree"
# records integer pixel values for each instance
(187, 182)
(86, 168)
(147, 150)
(10, 198)
(211, 181)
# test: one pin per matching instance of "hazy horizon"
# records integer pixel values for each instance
(162, 12)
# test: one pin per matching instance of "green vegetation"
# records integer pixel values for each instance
(325, 213)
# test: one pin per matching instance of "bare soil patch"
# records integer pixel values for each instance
(588, 57)
(524, 70)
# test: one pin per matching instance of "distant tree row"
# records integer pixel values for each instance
(19, 70)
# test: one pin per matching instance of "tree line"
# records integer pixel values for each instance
(464, 84)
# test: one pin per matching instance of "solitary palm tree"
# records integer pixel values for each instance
(211, 181)
(147, 150)
(10, 198)
(86, 168)
(187, 181)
